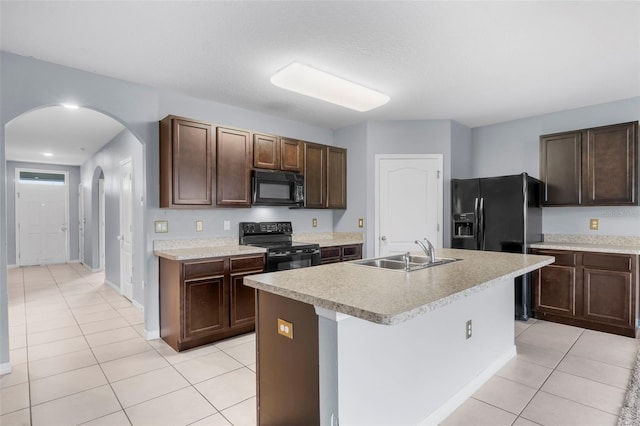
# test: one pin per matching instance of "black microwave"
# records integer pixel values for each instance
(272, 188)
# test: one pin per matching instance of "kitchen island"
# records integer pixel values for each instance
(373, 346)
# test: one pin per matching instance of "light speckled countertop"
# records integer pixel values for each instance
(598, 248)
(593, 243)
(328, 239)
(201, 248)
(392, 297)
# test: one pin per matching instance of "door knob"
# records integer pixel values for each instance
(383, 238)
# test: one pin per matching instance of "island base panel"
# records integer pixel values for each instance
(287, 369)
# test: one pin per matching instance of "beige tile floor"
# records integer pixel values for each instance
(561, 376)
(78, 357)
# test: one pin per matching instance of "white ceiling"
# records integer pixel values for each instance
(71, 135)
(474, 62)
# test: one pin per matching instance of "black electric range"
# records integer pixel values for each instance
(282, 252)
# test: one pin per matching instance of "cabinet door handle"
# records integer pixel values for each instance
(383, 238)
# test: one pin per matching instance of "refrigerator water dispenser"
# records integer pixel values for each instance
(463, 225)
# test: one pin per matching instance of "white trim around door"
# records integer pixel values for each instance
(412, 191)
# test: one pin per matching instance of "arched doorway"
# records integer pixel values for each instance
(92, 145)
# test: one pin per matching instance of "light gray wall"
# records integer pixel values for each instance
(31, 84)
(461, 160)
(513, 147)
(4, 306)
(122, 147)
(74, 180)
(354, 139)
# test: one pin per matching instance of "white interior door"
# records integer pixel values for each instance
(81, 223)
(101, 225)
(42, 217)
(126, 229)
(409, 203)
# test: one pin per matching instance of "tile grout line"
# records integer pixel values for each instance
(556, 369)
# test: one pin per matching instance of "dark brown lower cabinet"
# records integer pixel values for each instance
(334, 254)
(287, 369)
(598, 291)
(205, 300)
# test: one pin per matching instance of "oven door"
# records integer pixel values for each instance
(286, 261)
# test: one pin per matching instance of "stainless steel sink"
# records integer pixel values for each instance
(398, 262)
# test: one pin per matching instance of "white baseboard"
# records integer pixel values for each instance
(445, 410)
(138, 305)
(90, 268)
(12, 266)
(112, 285)
(151, 334)
(5, 368)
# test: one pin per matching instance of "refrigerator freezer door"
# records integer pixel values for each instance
(465, 202)
(502, 214)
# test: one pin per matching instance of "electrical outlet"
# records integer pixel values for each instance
(285, 328)
(594, 224)
(361, 223)
(314, 222)
(161, 226)
(469, 330)
(226, 225)
(199, 225)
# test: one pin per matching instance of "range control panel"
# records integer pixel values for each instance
(257, 228)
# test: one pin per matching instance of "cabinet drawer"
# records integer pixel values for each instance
(203, 269)
(329, 253)
(610, 262)
(352, 252)
(239, 264)
(563, 258)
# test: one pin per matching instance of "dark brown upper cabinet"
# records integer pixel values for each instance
(325, 176)
(315, 175)
(560, 168)
(336, 178)
(234, 154)
(610, 165)
(590, 167)
(186, 163)
(291, 155)
(266, 151)
(277, 153)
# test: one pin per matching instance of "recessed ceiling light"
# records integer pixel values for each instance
(70, 106)
(318, 84)
(47, 154)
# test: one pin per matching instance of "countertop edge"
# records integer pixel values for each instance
(596, 248)
(389, 319)
(207, 252)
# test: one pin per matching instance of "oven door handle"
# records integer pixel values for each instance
(272, 255)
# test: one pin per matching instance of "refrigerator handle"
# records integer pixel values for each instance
(482, 239)
(476, 223)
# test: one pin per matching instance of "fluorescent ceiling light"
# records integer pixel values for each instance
(309, 81)
(70, 106)
(47, 154)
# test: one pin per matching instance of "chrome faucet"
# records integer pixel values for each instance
(430, 252)
(407, 258)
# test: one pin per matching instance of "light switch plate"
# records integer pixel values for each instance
(199, 225)
(161, 226)
(361, 223)
(226, 225)
(594, 224)
(314, 222)
(285, 328)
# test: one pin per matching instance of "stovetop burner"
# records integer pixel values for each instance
(274, 236)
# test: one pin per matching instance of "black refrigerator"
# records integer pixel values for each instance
(498, 214)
